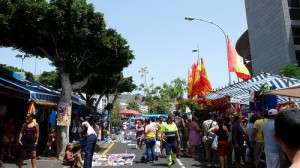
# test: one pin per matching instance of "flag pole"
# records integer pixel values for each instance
(198, 54)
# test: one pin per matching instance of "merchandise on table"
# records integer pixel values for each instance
(113, 159)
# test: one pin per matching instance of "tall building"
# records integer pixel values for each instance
(273, 36)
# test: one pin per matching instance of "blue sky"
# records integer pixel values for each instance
(162, 40)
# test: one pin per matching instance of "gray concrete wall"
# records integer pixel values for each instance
(270, 34)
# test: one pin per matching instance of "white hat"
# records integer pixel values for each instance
(81, 119)
(272, 112)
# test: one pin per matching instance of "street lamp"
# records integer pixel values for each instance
(35, 64)
(189, 18)
(22, 57)
(198, 54)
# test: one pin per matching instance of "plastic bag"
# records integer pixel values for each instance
(247, 155)
(214, 145)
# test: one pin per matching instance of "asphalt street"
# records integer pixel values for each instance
(119, 148)
(130, 147)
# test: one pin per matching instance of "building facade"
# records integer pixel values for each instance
(273, 36)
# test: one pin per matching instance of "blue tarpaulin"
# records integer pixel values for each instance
(41, 94)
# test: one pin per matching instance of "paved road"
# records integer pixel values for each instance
(117, 148)
(129, 147)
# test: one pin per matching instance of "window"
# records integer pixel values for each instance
(295, 13)
(294, 3)
(296, 35)
(298, 58)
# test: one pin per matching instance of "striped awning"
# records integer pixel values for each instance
(37, 93)
(239, 92)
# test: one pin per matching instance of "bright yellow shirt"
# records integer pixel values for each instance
(150, 131)
(258, 126)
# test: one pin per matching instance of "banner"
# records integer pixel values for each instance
(64, 113)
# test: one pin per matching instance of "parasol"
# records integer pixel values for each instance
(130, 112)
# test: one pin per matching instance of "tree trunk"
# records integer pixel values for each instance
(63, 131)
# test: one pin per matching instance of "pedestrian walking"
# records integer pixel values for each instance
(207, 124)
(90, 144)
(257, 137)
(180, 125)
(150, 134)
(28, 139)
(221, 131)
(272, 149)
(170, 138)
(238, 140)
(194, 135)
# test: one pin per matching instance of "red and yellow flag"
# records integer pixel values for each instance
(196, 87)
(235, 63)
(205, 85)
(191, 80)
(31, 109)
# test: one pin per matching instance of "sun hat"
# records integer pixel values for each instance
(272, 112)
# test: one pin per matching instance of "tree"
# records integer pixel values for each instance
(174, 91)
(50, 78)
(162, 107)
(116, 109)
(71, 35)
(290, 70)
(133, 105)
(28, 75)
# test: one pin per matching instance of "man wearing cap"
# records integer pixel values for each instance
(272, 149)
(90, 144)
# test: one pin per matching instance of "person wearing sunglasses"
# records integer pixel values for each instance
(28, 139)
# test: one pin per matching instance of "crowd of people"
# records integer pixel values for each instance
(271, 137)
(263, 140)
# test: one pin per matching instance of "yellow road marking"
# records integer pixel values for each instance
(108, 148)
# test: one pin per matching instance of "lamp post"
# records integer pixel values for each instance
(22, 57)
(35, 64)
(198, 53)
(189, 18)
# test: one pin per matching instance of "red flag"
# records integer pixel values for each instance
(31, 109)
(192, 80)
(205, 85)
(197, 78)
(189, 86)
(235, 63)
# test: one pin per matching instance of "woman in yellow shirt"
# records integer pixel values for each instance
(150, 133)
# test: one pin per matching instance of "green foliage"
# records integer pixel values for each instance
(174, 91)
(51, 79)
(133, 105)
(67, 32)
(28, 75)
(116, 123)
(191, 103)
(160, 98)
(162, 107)
(116, 109)
(290, 70)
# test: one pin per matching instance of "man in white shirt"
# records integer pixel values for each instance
(90, 144)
